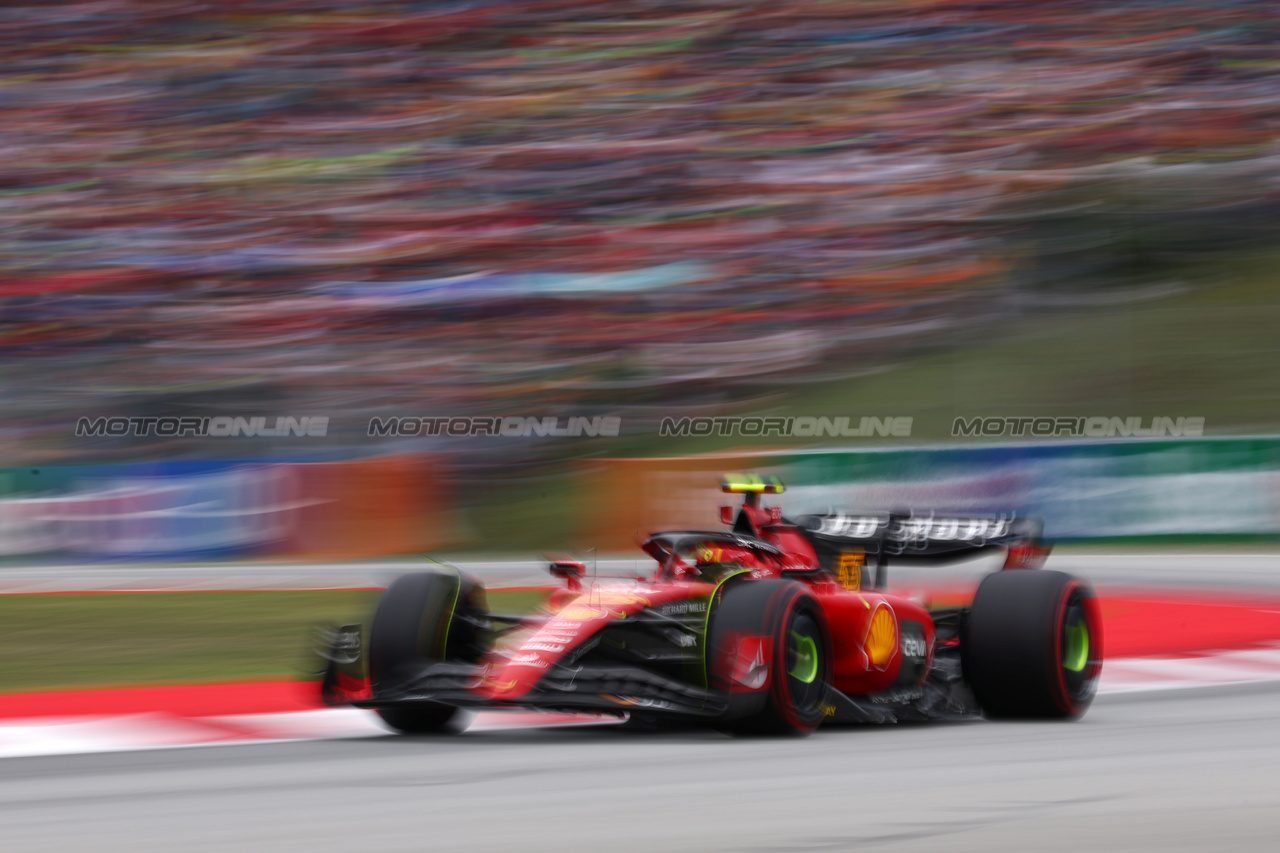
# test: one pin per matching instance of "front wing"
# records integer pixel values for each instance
(613, 687)
(583, 687)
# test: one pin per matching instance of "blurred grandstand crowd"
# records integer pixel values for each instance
(354, 209)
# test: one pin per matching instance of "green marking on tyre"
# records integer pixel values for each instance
(1075, 652)
(805, 668)
(457, 592)
(706, 621)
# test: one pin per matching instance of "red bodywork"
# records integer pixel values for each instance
(863, 664)
(769, 617)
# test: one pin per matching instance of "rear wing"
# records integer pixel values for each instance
(844, 539)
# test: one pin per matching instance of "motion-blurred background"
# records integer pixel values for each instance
(793, 208)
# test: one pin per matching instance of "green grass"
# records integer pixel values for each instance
(81, 641)
(1212, 350)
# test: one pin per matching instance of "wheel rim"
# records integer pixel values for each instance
(1075, 646)
(1077, 674)
(805, 667)
(804, 664)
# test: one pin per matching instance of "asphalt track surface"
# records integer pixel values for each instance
(1193, 769)
(1238, 570)
(1184, 770)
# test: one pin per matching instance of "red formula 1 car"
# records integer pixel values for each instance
(772, 625)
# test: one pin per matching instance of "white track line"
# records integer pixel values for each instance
(78, 735)
(1131, 675)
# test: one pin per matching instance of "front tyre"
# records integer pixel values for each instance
(422, 618)
(1032, 645)
(770, 651)
(422, 719)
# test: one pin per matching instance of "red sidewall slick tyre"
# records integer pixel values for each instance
(1032, 645)
(410, 627)
(795, 697)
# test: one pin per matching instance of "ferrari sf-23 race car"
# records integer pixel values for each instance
(773, 625)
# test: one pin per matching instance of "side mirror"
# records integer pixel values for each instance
(726, 514)
(571, 571)
(1023, 554)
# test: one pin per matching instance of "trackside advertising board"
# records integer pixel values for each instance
(1083, 490)
(390, 505)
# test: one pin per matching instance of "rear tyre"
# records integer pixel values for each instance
(770, 651)
(1032, 645)
(419, 619)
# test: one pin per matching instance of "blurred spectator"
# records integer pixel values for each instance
(348, 207)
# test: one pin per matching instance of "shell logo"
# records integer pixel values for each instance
(882, 638)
